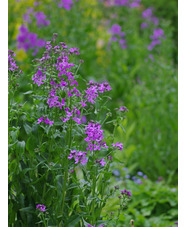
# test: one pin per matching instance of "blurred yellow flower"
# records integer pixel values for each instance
(20, 55)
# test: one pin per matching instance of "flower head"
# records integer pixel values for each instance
(127, 193)
(118, 145)
(41, 207)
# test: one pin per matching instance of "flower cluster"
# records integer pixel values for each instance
(101, 161)
(156, 38)
(39, 16)
(158, 33)
(79, 156)
(92, 91)
(39, 78)
(118, 145)
(62, 86)
(26, 16)
(41, 207)
(118, 35)
(11, 62)
(41, 19)
(94, 137)
(137, 179)
(123, 109)
(148, 16)
(74, 113)
(45, 120)
(27, 40)
(127, 3)
(66, 4)
(127, 193)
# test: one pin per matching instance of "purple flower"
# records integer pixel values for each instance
(153, 44)
(127, 193)
(74, 50)
(117, 34)
(83, 119)
(151, 57)
(102, 162)
(138, 181)
(41, 19)
(46, 121)
(118, 145)
(123, 109)
(27, 40)
(154, 20)
(93, 90)
(39, 78)
(26, 16)
(95, 137)
(144, 25)
(121, 2)
(79, 156)
(41, 207)
(116, 29)
(11, 62)
(147, 13)
(40, 120)
(158, 33)
(66, 4)
(139, 173)
(135, 3)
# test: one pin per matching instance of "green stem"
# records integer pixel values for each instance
(44, 222)
(119, 212)
(115, 126)
(93, 188)
(69, 136)
(44, 190)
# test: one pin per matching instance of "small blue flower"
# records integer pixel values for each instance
(140, 173)
(116, 172)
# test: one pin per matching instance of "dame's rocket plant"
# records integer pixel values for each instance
(70, 113)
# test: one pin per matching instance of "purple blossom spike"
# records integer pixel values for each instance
(11, 62)
(94, 137)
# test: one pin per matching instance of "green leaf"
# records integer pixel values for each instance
(20, 147)
(122, 128)
(27, 210)
(27, 128)
(72, 221)
(28, 92)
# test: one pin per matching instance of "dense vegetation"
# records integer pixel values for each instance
(128, 50)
